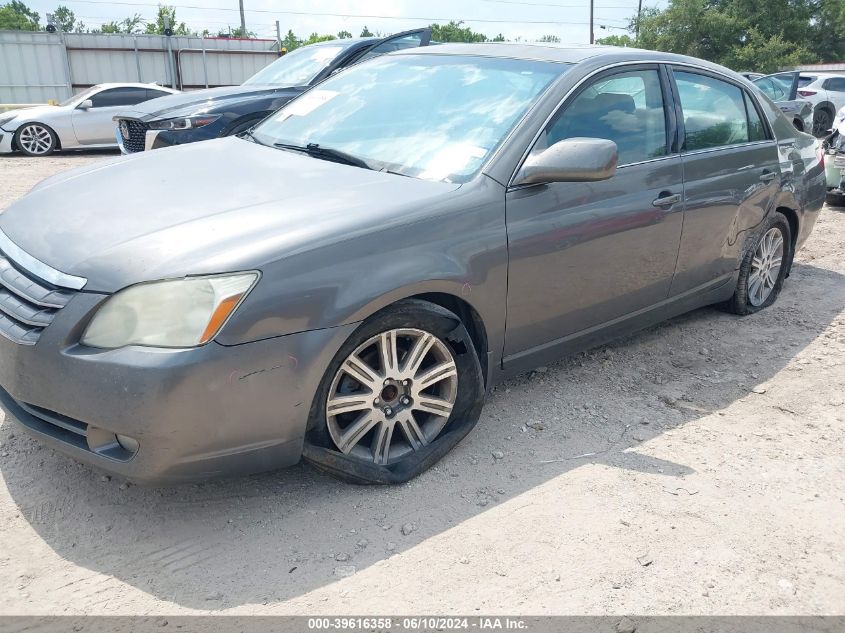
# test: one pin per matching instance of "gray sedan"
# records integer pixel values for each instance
(82, 122)
(346, 281)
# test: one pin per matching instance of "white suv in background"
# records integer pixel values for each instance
(826, 91)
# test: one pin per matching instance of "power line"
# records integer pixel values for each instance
(331, 15)
(562, 6)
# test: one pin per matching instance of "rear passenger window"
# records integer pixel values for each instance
(756, 130)
(626, 108)
(714, 112)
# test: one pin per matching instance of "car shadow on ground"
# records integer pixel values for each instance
(296, 530)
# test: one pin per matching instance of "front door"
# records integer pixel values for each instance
(95, 125)
(584, 254)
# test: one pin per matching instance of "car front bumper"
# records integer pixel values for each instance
(195, 414)
(6, 137)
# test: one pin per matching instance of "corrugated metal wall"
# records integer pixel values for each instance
(38, 67)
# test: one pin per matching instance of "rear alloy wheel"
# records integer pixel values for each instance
(35, 139)
(400, 393)
(392, 395)
(822, 122)
(764, 267)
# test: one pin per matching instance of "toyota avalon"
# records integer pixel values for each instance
(346, 281)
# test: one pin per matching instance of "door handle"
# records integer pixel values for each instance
(666, 199)
(768, 176)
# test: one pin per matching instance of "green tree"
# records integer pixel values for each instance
(454, 32)
(553, 39)
(366, 32)
(16, 16)
(314, 38)
(166, 12)
(344, 35)
(763, 35)
(616, 40)
(499, 38)
(65, 20)
(126, 25)
(291, 41)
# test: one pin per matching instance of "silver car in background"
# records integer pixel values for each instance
(82, 122)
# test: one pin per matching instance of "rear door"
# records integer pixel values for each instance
(95, 126)
(731, 175)
(582, 254)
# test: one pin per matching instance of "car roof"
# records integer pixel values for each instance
(124, 84)
(560, 53)
(821, 74)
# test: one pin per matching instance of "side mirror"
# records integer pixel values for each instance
(86, 105)
(570, 160)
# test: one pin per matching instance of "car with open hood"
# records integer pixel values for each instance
(347, 280)
(200, 115)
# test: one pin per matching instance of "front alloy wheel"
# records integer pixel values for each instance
(392, 395)
(35, 139)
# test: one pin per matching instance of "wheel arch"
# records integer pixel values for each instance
(469, 315)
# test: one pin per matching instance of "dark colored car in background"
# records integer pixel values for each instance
(346, 282)
(201, 115)
(782, 88)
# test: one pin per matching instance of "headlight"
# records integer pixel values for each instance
(179, 313)
(5, 118)
(184, 123)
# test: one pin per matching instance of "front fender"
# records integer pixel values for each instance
(459, 248)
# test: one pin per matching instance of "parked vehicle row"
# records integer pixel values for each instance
(825, 92)
(205, 114)
(82, 122)
(346, 280)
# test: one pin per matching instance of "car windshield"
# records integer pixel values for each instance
(805, 80)
(81, 96)
(298, 67)
(436, 117)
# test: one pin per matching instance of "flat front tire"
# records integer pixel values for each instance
(402, 392)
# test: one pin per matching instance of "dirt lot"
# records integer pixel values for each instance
(695, 468)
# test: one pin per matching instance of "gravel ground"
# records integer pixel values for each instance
(694, 468)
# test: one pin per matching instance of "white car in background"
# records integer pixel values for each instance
(83, 121)
(826, 91)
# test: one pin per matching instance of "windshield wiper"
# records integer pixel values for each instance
(249, 134)
(328, 153)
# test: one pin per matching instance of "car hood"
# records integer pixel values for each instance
(28, 114)
(200, 100)
(203, 208)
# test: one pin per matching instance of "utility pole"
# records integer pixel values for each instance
(592, 37)
(639, 14)
(243, 20)
(279, 38)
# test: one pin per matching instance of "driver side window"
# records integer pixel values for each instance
(626, 108)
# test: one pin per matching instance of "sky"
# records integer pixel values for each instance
(528, 19)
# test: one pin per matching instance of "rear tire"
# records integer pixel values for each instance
(835, 200)
(822, 122)
(400, 393)
(764, 267)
